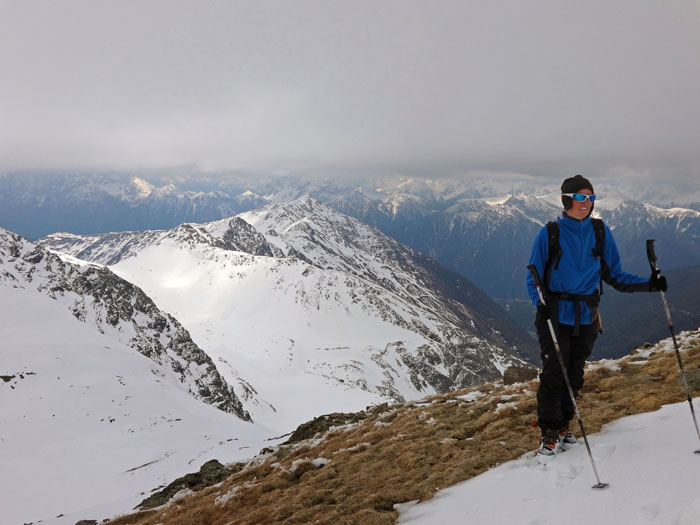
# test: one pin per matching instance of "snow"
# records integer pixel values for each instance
(496, 201)
(610, 364)
(341, 327)
(471, 396)
(500, 407)
(647, 459)
(144, 188)
(88, 426)
(320, 462)
(246, 309)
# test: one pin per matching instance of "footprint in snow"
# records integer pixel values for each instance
(603, 451)
(566, 473)
(648, 512)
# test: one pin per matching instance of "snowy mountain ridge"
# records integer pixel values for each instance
(324, 300)
(99, 298)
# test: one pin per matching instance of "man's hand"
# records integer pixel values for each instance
(657, 282)
(544, 312)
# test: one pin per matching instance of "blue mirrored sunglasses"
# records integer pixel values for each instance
(580, 197)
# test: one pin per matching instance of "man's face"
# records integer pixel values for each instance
(580, 210)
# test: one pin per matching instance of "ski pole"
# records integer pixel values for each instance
(538, 284)
(655, 269)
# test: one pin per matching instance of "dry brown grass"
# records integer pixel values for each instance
(408, 452)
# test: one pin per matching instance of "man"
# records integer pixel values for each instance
(585, 253)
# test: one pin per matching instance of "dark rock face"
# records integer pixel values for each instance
(516, 374)
(114, 305)
(242, 237)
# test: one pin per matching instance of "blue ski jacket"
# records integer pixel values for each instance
(579, 272)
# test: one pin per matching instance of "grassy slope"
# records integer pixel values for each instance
(407, 452)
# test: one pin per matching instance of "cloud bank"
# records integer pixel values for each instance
(323, 85)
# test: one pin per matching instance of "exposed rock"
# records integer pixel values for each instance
(322, 424)
(242, 237)
(519, 374)
(211, 473)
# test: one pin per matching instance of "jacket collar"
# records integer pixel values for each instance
(571, 220)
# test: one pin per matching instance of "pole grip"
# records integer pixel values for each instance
(538, 282)
(535, 275)
(651, 255)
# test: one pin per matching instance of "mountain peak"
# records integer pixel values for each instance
(144, 188)
(118, 308)
(325, 295)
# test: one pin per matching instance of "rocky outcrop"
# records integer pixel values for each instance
(242, 237)
(519, 374)
(211, 473)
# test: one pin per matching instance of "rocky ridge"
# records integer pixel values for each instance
(95, 295)
(330, 262)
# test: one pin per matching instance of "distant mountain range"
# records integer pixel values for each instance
(36, 205)
(489, 241)
(482, 229)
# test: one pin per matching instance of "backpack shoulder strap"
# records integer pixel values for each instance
(599, 229)
(553, 251)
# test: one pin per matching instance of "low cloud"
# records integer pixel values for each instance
(445, 87)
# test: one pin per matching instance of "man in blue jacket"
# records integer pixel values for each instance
(571, 279)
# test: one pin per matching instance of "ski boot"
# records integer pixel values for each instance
(548, 444)
(566, 439)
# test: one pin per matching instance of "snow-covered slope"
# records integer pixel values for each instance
(88, 424)
(647, 459)
(317, 311)
(118, 309)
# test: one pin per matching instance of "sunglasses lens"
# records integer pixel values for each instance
(581, 197)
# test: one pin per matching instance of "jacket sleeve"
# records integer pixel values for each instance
(539, 258)
(612, 272)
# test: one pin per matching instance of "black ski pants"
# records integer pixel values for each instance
(554, 406)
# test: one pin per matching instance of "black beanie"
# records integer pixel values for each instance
(573, 185)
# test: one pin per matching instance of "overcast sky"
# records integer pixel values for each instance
(435, 87)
